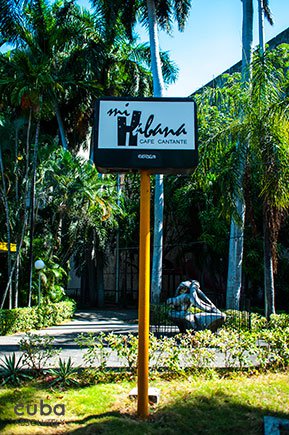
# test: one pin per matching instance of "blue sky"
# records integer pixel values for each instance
(211, 41)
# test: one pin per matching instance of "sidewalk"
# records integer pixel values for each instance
(95, 321)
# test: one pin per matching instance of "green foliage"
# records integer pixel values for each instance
(279, 321)
(52, 314)
(165, 355)
(17, 319)
(61, 59)
(83, 204)
(237, 347)
(25, 319)
(159, 314)
(258, 322)
(64, 374)
(98, 351)
(198, 351)
(238, 320)
(11, 370)
(52, 277)
(126, 347)
(273, 351)
(37, 349)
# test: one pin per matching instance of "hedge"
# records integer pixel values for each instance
(25, 319)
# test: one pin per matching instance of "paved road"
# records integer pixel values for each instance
(95, 321)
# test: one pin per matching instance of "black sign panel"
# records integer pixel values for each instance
(155, 134)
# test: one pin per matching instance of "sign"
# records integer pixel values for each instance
(4, 247)
(156, 134)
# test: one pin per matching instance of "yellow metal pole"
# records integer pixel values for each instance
(144, 297)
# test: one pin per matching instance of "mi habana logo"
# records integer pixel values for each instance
(128, 133)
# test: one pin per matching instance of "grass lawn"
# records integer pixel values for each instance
(233, 405)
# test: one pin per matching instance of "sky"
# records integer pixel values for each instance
(212, 40)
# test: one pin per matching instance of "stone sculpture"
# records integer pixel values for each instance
(189, 294)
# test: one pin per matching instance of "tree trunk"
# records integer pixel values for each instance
(16, 166)
(28, 144)
(100, 280)
(247, 39)
(7, 216)
(32, 208)
(16, 295)
(261, 27)
(157, 263)
(236, 243)
(158, 82)
(61, 128)
(269, 287)
(158, 87)
(17, 201)
(269, 290)
(18, 250)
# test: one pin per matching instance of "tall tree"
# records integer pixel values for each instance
(152, 14)
(160, 14)
(271, 214)
(236, 242)
(263, 11)
(270, 142)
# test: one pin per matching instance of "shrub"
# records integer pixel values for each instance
(25, 319)
(11, 370)
(198, 349)
(279, 321)
(37, 349)
(258, 322)
(238, 320)
(17, 319)
(64, 375)
(237, 347)
(275, 349)
(98, 352)
(126, 347)
(165, 354)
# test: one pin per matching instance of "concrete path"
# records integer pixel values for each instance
(95, 321)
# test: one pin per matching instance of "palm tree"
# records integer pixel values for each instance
(79, 217)
(154, 14)
(236, 242)
(270, 142)
(271, 213)
(234, 281)
(263, 11)
(160, 14)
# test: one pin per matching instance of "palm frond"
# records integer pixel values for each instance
(10, 16)
(267, 12)
(181, 12)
